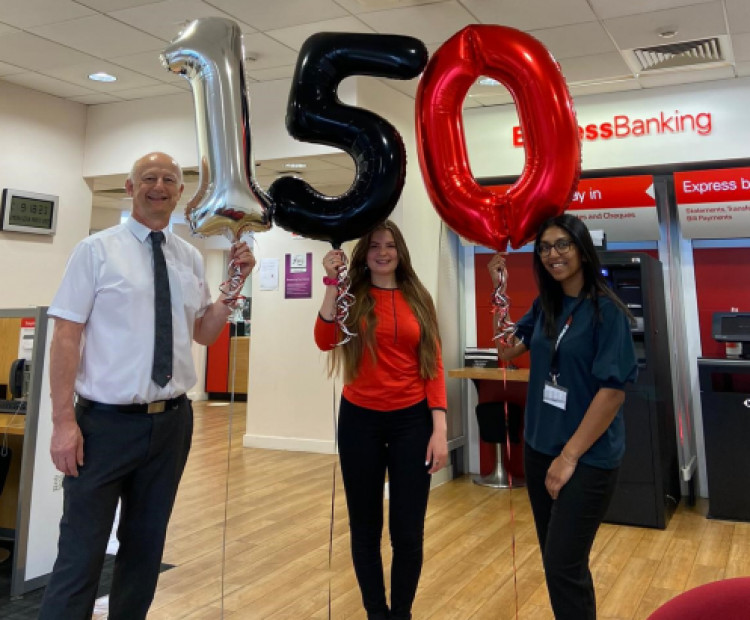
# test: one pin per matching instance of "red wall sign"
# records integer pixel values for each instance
(714, 204)
(623, 207)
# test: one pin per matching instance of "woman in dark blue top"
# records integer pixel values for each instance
(582, 356)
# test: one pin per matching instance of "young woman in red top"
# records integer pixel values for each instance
(392, 414)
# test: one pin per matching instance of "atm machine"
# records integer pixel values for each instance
(725, 402)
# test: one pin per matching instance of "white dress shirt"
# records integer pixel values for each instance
(109, 286)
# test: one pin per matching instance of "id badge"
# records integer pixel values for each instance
(555, 395)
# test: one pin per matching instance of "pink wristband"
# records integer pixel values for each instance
(330, 281)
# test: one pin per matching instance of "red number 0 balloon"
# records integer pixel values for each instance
(548, 121)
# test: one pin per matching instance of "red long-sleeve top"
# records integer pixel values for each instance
(392, 380)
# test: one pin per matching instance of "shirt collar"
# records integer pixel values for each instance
(141, 232)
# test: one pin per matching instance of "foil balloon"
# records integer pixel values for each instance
(548, 122)
(315, 114)
(209, 53)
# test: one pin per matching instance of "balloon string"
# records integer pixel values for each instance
(344, 301)
(510, 492)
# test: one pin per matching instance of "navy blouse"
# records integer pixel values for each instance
(592, 354)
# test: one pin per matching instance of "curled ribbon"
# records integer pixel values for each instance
(232, 287)
(504, 328)
(344, 301)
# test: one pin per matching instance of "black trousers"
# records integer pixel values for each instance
(137, 459)
(566, 528)
(371, 442)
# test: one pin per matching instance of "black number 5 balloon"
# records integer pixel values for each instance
(315, 114)
(228, 201)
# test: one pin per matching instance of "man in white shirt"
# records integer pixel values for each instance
(128, 436)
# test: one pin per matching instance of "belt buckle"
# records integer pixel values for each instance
(156, 407)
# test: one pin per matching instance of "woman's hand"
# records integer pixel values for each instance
(558, 474)
(437, 448)
(496, 266)
(333, 262)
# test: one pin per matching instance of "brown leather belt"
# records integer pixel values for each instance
(158, 406)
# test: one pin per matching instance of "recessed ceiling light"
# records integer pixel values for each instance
(102, 77)
(488, 81)
(667, 33)
(295, 165)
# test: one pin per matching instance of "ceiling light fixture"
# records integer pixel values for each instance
(667, 33)
(488, 81)
(102, 77)
(295, 165)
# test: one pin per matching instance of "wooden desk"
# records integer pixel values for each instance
(491, 374)
(10, 426)
(9, 496)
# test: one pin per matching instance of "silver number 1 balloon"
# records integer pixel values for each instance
(228, 201)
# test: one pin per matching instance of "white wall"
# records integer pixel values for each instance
(42, 138)
(119, 133)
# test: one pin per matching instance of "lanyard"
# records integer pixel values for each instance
(554, 372)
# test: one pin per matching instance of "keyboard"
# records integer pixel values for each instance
(13, 406)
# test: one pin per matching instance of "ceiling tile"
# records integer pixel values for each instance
(685, 77)
(46, 84)
(78, 74)
(6, 69)
(100, 36)
(355, 7)
(274, 73)
(741, 47)
(471, 103)
(267, 52)
(26, 13)
(530, 14)
(742, 69)
(270, 15)
(166, 19)
(31, 52)
(575, 40)
(617, 8)
(599, 67)
(95, 99)
(431, 23)
(113, 5)
(581, 90)
(738, 15)
(152, 91)
(691, 22)
(148, 63)
(295, 36)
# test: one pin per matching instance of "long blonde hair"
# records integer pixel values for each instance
(362, 319)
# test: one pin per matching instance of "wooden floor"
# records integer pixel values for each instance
(271, 559)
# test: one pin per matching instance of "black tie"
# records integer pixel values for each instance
(161, 371)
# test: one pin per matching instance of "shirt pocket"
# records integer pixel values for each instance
(191, 289)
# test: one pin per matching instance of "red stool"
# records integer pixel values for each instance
(728, 599)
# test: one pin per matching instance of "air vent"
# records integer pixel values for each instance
(698, 54)
(110, 192)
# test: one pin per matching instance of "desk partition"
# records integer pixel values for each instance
(39, 491)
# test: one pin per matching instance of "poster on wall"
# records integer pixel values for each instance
(714, 204)
(298, 276)
(623, 207)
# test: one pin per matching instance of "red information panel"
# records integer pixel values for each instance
(714, 204)
(623, 207)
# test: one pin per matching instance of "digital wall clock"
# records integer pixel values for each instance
(29, 212)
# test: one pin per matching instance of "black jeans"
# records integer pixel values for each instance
(371, 442)
(137, 459)
(566, 528)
